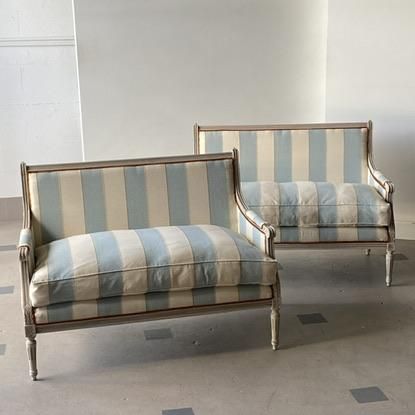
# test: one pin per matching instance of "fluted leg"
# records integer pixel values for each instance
(31, 354)
(367, 252)
(389, 263)
(275, 324)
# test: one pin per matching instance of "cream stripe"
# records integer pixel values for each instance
(335, 156)
(346, 204)
(230, 140)
(308, 202)
(115, 199)
(347, 234)
(226, 295)
(157, 198)
(133, 304)
(265, 156)
(132, 257)
(300, 159)
(72, 203)
(35, 208)
(82, 310)
(308, 234)
(202, 142)
(180, 252)
(198, 193)
(84, 262)
(180, 299)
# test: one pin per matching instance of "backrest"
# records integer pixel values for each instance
(66, 200)
(336, 153)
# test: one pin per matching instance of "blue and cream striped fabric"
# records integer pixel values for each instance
(75, 202)
(142, 303)
(317, 204)
(321, 155)
(132, 262)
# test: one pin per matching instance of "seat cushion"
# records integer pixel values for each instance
(131, 262)
(317, 204)
(142, 303)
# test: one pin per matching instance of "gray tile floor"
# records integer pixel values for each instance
(223, 364)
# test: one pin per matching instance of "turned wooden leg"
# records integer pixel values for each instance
(31, 354)
(389, 263)
(367, 252)
(275, 324)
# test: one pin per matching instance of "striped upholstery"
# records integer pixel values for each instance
(321, 204)
(133, 262)
(320, 155)
(73, 202)
(149, 302)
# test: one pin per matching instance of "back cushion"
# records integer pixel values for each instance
(332, 155)
(71, 202)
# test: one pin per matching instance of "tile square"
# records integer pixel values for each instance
(400, 257)
(7, 289)
(7, 248)
(2, 349)
(313, 318)
(179, 411)
(370, 394)
(156, 334)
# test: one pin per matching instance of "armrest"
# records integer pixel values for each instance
(382, 184)
(25, 245)
(256, 230)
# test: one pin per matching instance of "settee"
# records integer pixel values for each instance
(315, 183)
(126, 241)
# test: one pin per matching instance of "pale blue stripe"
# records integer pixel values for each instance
(59, 312)
(109, 263)
(157, 259)
(367, 209)
(289, 212)
(251, 259)
(94, 200)
(251, 192)
(353, 155)
(136, 194)
(289, 234)
(204, 256)
(327, 200)
(282, 156)
(213, 142)
(248, 155)
(218, 186)
(204, 296)
(177, 194)
(50, 206)
(60, 272)
(328, 234)
(317, 155)
(157, 301)
(367, 234)
(111, 306)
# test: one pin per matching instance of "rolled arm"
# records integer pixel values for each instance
(382, 184)
(256, 230)
(25, 245)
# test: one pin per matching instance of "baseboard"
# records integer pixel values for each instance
(405, 230)
(11, 208)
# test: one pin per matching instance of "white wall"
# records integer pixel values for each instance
(39, 105)
(150, 69)
(371, 74)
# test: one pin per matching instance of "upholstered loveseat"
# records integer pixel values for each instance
(124, 241)
(315, 183)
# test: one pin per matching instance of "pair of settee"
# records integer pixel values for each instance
(126, 241)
